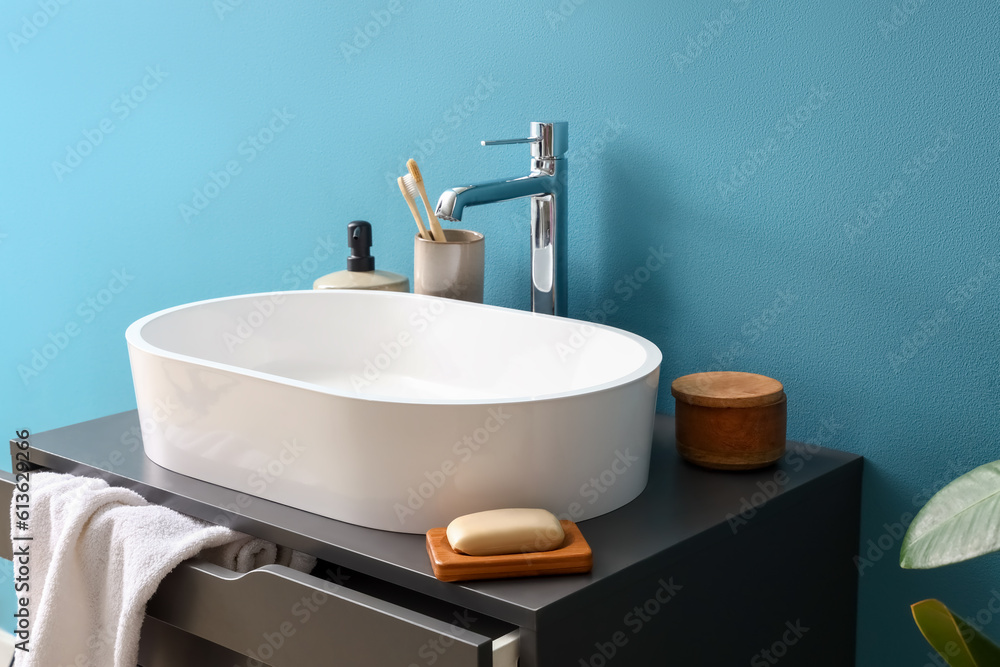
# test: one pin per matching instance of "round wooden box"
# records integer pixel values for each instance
(730, 420)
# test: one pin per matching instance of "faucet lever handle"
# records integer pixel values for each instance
(504, 142)
(548, 140)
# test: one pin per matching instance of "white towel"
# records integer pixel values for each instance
(243, 555)
(96, 556)
(297, 560)
(249, 553)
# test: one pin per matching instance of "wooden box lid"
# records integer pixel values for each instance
(727, 389)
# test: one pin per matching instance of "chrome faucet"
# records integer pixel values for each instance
(546, 185)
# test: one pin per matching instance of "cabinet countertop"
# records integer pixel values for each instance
(683, 510)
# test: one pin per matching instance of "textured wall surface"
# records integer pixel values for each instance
(816, 184)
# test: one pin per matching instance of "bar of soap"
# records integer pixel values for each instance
(506, 531)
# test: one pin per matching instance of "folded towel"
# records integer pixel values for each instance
(96, 556)
(296, 560)
(249, 553)
(243, 555)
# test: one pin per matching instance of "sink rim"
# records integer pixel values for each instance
(652, 361)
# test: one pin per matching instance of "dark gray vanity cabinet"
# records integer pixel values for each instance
(703, 568)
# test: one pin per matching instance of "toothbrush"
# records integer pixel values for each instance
(436, 230)
(408, 189)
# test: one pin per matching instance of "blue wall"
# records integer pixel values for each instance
(822, 175)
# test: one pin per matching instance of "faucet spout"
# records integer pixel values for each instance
(452, 202)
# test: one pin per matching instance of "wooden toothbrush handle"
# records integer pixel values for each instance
(435, 225)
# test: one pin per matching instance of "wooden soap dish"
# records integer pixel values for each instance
(573, 557)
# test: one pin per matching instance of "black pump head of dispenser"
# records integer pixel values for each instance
(359, 239)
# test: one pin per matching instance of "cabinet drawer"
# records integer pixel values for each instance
(279, 617)
(284, 618)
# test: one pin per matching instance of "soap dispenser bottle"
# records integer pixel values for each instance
(361, 273)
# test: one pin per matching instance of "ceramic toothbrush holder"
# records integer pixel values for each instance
(452, 269)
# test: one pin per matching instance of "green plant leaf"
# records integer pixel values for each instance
(959, 643)
(960, 522)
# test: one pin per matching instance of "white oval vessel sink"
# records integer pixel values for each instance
(396, 411)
